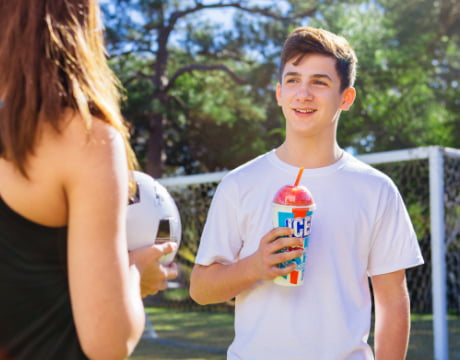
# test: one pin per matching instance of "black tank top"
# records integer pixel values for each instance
(36, 320)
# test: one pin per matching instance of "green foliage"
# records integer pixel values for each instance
(406, 96)
(208, 84)
(220, 117)
(407, 85)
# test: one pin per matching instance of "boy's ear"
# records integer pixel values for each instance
(348, 97)
(278, 93)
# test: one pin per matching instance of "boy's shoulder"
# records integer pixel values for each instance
(249, 174)
(363, 172)
(257, 165)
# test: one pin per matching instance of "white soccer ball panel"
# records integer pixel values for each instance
(143, 217)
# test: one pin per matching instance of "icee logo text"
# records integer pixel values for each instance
(301, 226)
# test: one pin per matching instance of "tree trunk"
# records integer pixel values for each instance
(155, 146)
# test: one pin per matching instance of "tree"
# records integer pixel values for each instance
(408, 73)
(155, 44)
(201, 95)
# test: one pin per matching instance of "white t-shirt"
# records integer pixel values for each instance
(360, 228)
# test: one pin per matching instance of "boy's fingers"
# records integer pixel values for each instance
(287, 242)
(276, 233)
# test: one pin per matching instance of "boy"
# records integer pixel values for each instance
(360, 229)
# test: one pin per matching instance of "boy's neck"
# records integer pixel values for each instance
(310, 156)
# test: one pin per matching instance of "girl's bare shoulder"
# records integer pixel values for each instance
(75, 130)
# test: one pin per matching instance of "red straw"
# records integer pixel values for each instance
(299, 175)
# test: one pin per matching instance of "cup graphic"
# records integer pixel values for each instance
(293, 207)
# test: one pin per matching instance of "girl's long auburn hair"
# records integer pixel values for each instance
(52, 57)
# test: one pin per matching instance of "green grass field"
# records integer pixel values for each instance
(196, 335)
(192, 335)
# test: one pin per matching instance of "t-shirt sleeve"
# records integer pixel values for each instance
(394, 242)
(221, 241)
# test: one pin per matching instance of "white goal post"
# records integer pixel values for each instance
(435, 156)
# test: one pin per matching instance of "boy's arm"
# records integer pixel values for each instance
(218, 282)
(392, 315)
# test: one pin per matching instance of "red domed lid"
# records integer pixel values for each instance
(294, 195)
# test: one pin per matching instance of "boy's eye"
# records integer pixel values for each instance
(319, 82)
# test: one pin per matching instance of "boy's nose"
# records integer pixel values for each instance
(304, 93)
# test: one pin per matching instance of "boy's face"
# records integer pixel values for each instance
(310, 96)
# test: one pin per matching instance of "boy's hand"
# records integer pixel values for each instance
(268, 256)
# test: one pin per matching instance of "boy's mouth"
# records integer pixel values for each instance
(305, 111)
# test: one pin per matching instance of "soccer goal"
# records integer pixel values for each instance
(429, 181)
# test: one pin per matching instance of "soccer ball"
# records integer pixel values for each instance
(152, 217)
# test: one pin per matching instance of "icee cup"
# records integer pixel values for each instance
(293, 207)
